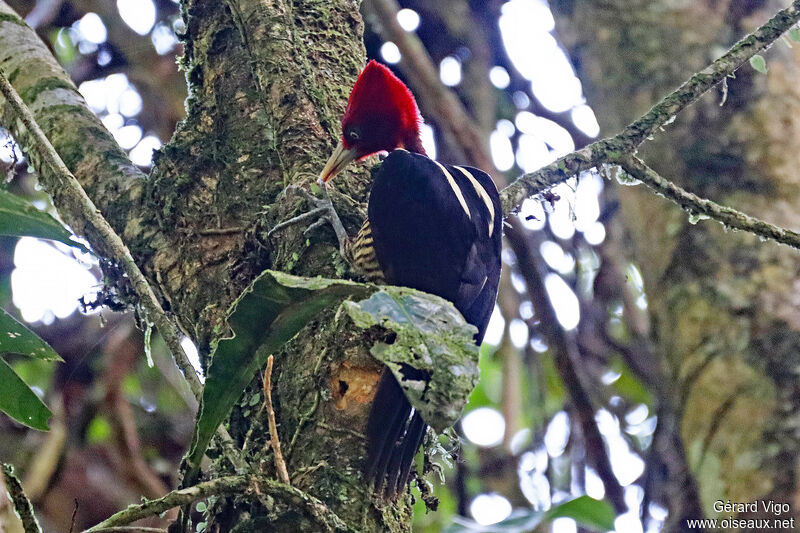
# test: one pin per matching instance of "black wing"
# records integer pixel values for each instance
(437, 229)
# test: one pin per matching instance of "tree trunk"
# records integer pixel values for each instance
(723, 304)
(267, 84)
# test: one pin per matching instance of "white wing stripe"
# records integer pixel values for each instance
(455, 188)
(484, 196)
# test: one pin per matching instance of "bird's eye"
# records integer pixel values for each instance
(353, 135)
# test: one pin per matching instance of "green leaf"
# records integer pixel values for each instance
(98, 431)
(19, 402)
(433, 339)
(758, 63)
(19, 218)
(794, 34)
(628, 384)
(588, 512)
(266, 316)
(16, 338)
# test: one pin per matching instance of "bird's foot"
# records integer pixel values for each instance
(322, 212)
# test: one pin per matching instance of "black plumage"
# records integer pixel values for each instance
(437, 229)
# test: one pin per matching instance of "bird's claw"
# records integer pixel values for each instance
(322, 210)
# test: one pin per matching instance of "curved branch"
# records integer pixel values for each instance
(80, 207)
(639, 131)
(695, 205)
(21, 503)
(227, 486)
(87, 148)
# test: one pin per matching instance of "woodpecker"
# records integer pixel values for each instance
(432, 227)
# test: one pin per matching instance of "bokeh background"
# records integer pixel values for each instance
(563, 407)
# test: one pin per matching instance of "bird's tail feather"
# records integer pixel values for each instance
(394, 434)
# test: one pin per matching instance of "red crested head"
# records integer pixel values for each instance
(381, 115)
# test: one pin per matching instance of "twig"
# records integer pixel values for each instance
(637, 132)
(82, 207)
(274, 440)
(226, 486)
(221, 231)
(21, 502)
(696, 205)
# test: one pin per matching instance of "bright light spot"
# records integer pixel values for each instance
(626, 464)
(587, 208)
(194, 358)
(535, 485)
(113, 122)
(538, 344)
(495, 328)
(499, 77)
(130, 103)
(584, 119)
(92, 28)
(532, 153)
(637, 415)
(564, 525)
(634, 494)
(628, 522)
(450, 71)
(9, 149)
(428, 140)
(46, 282)
(564, 301)
(557, 434)
(163, 38)
(595, 234)
(128, 136)
(561, 96)
(140, 15)
(408, 19)
(115, 85)
(556, 258)
(528, 15)
(489, 509)
(525, 27)
(518, 331)
(548, 131)
(526, 310)
(520, 440)
(561, 218)
(594, 485)
(85, 47)
(610, 376)
(484, 426)
(518, 282)
(103, 58)
(506, 127)
(635, 277)
(94, 92)
(532, 214)
(521, 100)
(390, 52)
(502, 152)
(658, 512)
(142, 155)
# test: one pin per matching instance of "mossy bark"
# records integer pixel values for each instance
(268, 82)
(723, 304)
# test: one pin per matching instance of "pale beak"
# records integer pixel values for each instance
(339, 159)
